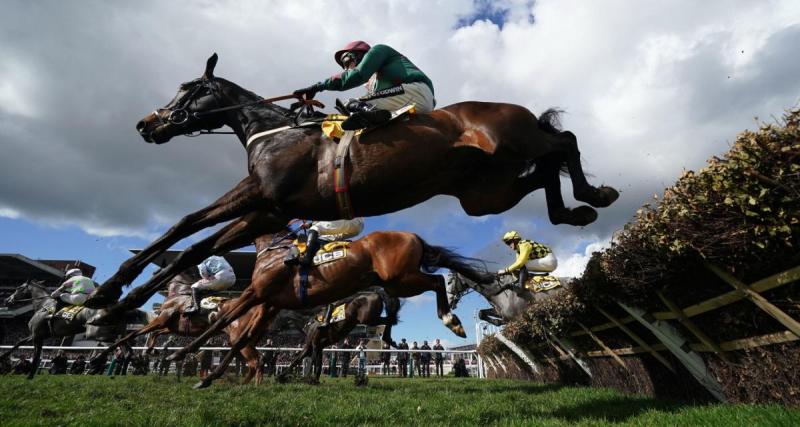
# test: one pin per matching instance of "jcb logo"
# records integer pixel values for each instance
(324, 257)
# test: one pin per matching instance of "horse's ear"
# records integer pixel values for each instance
(210, 64)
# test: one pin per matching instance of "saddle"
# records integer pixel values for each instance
(542, 282)
(328, 252)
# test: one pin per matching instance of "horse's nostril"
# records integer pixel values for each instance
(140, 126)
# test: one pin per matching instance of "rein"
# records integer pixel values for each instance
(179, 115)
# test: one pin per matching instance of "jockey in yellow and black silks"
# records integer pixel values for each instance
(531, 257)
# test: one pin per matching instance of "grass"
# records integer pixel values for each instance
(153, 401)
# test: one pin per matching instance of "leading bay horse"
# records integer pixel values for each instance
(488, 155)
(41, 328)
(393, 261)
(171, 320)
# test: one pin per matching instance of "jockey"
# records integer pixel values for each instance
(75, 289)
(391, 80)
(217, 275)
(531, 256)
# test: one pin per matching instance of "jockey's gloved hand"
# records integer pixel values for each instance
(309, 92)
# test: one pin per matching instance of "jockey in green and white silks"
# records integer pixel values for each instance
(391, 80)
(216, 275)
(75, 289)
(531, 257)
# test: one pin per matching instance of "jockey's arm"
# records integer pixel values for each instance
(525, 249)
(369, 65)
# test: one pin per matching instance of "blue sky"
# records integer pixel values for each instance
(650, 90)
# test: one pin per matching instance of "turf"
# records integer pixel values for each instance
(153, 401)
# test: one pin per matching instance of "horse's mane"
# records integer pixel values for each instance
(263, 107)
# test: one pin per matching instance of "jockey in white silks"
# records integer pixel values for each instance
(329, 231)
(75, 289)
(216, 275)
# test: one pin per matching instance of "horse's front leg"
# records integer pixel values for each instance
(243, 198)
(16, 346)
(37, 356)
(490, 315)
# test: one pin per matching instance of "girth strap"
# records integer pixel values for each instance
(341, 179)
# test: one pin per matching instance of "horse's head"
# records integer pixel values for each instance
(457, 286)
(24, 292)
(185, 113)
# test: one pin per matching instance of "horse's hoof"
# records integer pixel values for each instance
(459, 330)
(580, 216)
(600, 197)
(202, 384)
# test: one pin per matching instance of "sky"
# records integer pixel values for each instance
(650, 89)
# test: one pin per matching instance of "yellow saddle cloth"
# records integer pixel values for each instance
(541, 283)
(331, 252)
(69, 312)
(332, 125)
(212, 303)
(337, 315)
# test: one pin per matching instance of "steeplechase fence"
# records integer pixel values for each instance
(648, 351)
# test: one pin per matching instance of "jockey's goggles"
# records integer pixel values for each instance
(348, 59)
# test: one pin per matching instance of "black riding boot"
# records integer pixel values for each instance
(326, 320)
(364, 115)
(523, 277)
(312, 246)
(195, 302)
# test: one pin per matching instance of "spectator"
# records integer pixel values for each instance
(163, 366)
(58, 365)
(141, 364)
(190, 365)
(402, 358)
(362, 358)
(205, 362)
(425, 360)
(332, 362)
(414, 360)
(23, 366)
(345, 356)
(438, 358)
(386, 360)
(78, 366)
(269, 359)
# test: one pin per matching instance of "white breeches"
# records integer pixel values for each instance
(339, 229)
(543, 265)
(74, 299)
(221, 281)
(417, 93)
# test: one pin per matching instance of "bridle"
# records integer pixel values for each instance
(179, 115)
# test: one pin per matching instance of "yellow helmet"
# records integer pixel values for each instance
(511, 236)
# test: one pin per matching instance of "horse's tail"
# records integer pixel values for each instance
(550, 121)
(434, 257)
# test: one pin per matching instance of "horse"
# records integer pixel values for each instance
(487, 155)
(393, 261)
(172, 320)
(361, 310)
(41, 328)
(506, 298)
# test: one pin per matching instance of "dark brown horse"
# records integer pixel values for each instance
(487, 155)
(392, 260)
(362, 310)
(171, 320)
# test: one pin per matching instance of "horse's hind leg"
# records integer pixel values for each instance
(581, 189)
(243, 198)
(414, 283)
(16, 346)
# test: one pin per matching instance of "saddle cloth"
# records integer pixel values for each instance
(212, 302)
(541, 283)
(332, 125)
(337, 315)
(331, 252)
(69, 312)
